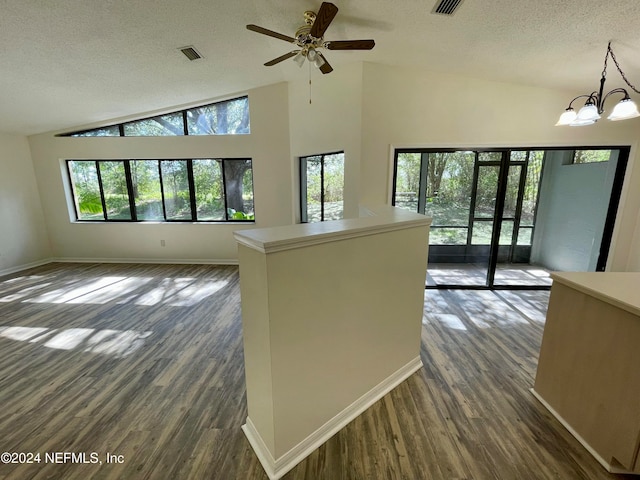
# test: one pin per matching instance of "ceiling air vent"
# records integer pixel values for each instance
(446, 7)
(190, 52)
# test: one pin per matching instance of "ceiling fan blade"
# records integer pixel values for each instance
(325, 68)
(281, 58)
(324, 17)
(351, 45)
(270, 33)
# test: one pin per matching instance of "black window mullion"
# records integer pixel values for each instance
(474, 191)
(523, 180)
(129, 179)
(422, 184)
(304, 214)
(535, 208)
(503, 175)
(73, 190)
(184, 122)
(104, 203)
(224, 191)
(164, 207)
(395, 177)
(121, 129)
(192, 190)
(322, 188)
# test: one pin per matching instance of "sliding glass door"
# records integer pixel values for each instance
(499, 221)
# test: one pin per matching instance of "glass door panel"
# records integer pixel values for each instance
(531, 189)
(506, 232)
(482, 209)
(512, 191)
(448, 183)
(486, 191)
(520, 206)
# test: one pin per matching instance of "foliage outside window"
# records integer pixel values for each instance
(591, 156)
(230, 117)
(162, 190)
(458, 189)
(322, 187)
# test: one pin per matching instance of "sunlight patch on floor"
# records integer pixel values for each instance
(175, 292)
(25, 292)
(113, 291)
(21, 334)
(116, 343)
(66, 295)
(450, 321)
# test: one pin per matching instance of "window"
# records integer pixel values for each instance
(322, 187)
(224, 118)
(161, 126)
(230, 117)
(591, 156)
(202, 189)
(459, 189)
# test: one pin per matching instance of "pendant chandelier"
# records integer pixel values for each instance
(594, 106)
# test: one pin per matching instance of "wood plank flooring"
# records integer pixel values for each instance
(146, 361)
(475, 274)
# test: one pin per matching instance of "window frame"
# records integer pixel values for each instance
(132, 205)
(478, 162)
(577, 153)
(183, 113)
(304, 217)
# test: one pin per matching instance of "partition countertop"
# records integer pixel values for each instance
(621, 289)
(371, 221)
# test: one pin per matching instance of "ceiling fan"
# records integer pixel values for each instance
(309, 38)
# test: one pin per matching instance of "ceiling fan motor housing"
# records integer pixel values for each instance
(310, 37)
(309, 17)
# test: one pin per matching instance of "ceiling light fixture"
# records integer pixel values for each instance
(594, 106)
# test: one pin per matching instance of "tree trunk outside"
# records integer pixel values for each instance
(234, 171)
(437, 164)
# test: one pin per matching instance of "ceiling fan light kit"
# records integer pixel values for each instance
(309, 38)
(593, 108)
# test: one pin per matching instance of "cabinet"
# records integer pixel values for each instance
(589, 367)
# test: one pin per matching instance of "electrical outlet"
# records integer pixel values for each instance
(162, 244)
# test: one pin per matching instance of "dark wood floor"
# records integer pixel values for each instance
(145, 361)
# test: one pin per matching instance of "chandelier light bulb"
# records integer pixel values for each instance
(587, 115)
(568, 116)
(626, 108)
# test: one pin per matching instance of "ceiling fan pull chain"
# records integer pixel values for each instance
(309, 82)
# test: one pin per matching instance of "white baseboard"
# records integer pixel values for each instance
(610, 468)
(277, 467)
(261, 450)
(26, 266)
(163, 261)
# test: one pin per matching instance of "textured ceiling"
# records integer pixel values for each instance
(67, 63)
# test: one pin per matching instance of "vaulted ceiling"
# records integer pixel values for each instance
(67, 63)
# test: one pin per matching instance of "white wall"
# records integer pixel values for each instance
(634, 254)
(332, 122)
(267, 145)
(23, 237)
(409, 107)
(574, 200)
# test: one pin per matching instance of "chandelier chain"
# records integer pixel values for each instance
(610, 52)
(606, 57)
